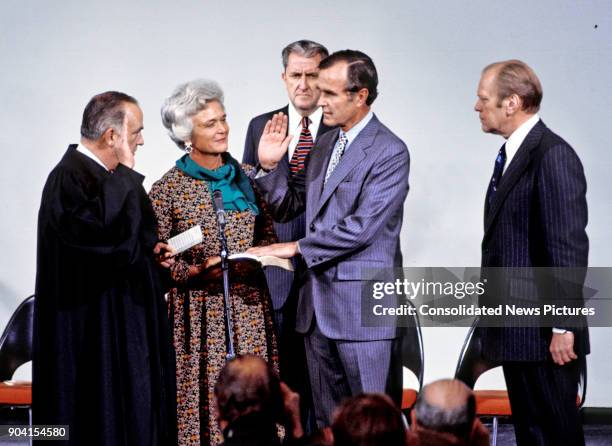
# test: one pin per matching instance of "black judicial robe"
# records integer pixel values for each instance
(103, 362)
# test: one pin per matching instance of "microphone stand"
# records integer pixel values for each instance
(229, 322)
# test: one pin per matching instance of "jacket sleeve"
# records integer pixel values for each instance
(249, 156)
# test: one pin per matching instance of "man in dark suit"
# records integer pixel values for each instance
(535, 216)
(352, 191)
(301, 71)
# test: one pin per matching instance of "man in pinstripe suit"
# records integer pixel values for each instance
(352, 191)
(535, 216)
(301, 70)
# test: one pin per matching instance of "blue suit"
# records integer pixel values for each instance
(537, 218)
(352, 222)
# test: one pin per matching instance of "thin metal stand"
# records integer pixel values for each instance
(229, 322)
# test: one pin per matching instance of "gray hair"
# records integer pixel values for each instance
(457, 420)
(103, 111)
(187, 100)
(305, 48)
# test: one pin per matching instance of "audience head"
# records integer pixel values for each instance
(368, 420)
(446, 406)
(247, 384)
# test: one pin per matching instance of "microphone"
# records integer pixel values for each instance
(218, 202)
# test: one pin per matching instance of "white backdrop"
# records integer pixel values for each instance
(55, 55)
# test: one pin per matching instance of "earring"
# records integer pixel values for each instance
(188, 147)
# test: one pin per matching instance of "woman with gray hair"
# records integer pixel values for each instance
(196, 121)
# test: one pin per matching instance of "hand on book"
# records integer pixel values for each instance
(282, 250)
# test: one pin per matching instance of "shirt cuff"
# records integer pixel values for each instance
(298, 247)
(261, 172)
(556, 330)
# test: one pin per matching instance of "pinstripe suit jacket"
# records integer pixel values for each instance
(279, 280)
(352, 222)
(537, 218)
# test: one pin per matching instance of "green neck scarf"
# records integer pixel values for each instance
(238, 194)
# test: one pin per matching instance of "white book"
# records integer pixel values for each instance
(185, 240)
(265, 261)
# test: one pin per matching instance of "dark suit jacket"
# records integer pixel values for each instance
(352, 223)
(279, 280)
(537, 218)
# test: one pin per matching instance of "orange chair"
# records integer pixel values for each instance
(494, 403)
(15, 350)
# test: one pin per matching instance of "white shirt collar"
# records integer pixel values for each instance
(88, 153)
(295, 126)
(357, 128)
(517, 137)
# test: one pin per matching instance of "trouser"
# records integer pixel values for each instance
(543, 401)
(340, 369)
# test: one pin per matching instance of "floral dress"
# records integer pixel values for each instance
(196, 306)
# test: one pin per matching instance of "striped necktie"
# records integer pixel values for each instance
(302, 149)
(498, 170)
(336, 155)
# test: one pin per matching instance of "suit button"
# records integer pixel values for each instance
(312, 227)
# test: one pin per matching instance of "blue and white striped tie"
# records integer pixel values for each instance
(336, 155)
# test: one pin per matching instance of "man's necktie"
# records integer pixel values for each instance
(500, 162)
(336, 155)
(302, 149)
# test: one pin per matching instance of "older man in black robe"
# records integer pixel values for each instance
(103, 363)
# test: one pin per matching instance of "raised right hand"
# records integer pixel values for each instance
(124, 154)
(273, 143)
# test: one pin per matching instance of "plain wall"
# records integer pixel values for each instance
(56, 55)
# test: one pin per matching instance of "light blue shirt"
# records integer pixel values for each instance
(355, 130)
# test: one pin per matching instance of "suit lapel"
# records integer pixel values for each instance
(354, 154)
(317, 166)
(284, 162)
(515, 170)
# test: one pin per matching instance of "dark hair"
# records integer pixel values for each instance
(457, 421)
(248, 384)
(368, 420)
(104, 110)
(361, 72)
(305, 48)
(516, 77)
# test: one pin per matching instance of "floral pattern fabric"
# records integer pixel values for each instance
(196, 306)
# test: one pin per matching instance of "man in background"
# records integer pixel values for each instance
(103, 363)
(300, 75)
(301, 72)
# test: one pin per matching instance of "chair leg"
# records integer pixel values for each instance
(494, 431)
(30, 420)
